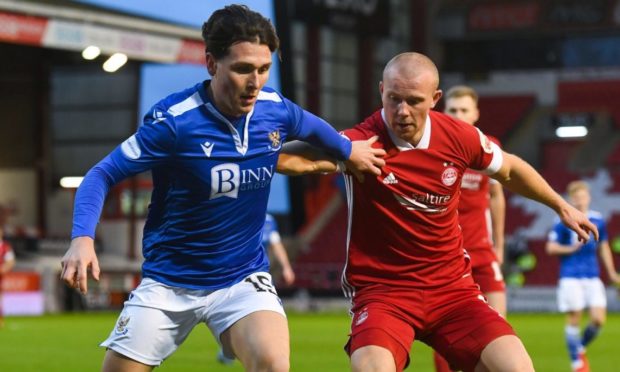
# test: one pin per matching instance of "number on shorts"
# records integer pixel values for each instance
(261, 283)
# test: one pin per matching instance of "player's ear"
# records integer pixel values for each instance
(211, 64)
(436, 96)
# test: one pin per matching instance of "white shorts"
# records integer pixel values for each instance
(576, 294)
(157, 318)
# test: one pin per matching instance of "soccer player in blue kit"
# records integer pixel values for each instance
(580, 285)
(212, 150)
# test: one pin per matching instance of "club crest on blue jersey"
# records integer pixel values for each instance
(276, 143)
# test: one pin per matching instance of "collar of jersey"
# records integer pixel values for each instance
(403, 145)
(241, 146)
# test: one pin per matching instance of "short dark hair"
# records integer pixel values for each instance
(236, 23)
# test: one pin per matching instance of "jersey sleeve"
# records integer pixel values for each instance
(312, 129)
(152, 145)
(559, 234)
(485, 155)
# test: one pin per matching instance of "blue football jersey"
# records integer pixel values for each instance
(584, 262)
(211, 181)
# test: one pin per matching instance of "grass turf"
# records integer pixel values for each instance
(69, 343)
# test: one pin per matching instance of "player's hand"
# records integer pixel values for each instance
(79, 258)
(578, 222)
(365, 159)
(288, 275)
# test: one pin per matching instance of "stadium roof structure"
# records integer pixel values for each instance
(69, 25)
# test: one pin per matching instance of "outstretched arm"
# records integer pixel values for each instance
(279, 252)
(519, 177)
(608, 262)
(556, 249)
(299, 158)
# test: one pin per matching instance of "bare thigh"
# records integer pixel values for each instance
(115, 362)
(505, 354)
(260, 341)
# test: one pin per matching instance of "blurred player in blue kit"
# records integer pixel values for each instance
(212, 150)
(580, 286)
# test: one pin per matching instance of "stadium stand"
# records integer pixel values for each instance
(590, 96)
(502, 114)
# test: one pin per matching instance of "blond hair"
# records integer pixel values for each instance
(459, 91)
(575, 186)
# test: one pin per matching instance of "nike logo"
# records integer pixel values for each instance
(207, 147)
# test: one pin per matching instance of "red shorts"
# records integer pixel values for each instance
(455, 321)
(489, 277)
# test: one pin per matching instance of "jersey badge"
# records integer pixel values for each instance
(276, 143)
(121, 325)
(449, 176)
(361, 318)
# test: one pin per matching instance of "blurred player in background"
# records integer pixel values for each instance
(482, 209)
(406, 270)
(272, 241)
(7, 258)
(580, 286)
(212, 150)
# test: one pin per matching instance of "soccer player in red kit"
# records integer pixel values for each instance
(482, 209)
(406, 271)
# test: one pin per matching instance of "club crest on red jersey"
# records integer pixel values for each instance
(449, 176)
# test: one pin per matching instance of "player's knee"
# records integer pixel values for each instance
(598, 322)
(372, 358)
(272, 361)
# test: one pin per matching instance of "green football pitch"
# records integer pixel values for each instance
(69, 343)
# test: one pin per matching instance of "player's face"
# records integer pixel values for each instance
(406, 103)
(580, 199)
(239, 76)
(463, 108)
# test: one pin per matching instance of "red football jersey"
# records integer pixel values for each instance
(403, 225)
(475, 216)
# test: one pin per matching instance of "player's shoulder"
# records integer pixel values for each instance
(269, 95)
(494, 139)
(447, 125)
(369, 127)
(178, 103)
(595, 216)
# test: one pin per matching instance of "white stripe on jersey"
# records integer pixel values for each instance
(187, 104)
(268, 96)
(348, 289)
(497, 161)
